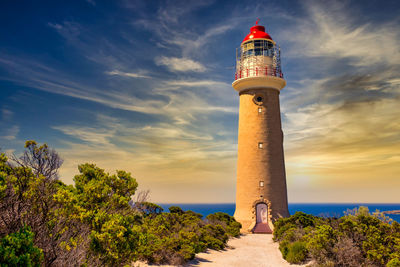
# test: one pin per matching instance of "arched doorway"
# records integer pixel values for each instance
(262, 213)
(262, 226)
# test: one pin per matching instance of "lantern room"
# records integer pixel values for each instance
(258, 55)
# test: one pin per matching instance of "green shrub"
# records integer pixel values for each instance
(175, 209)
(393, 263)
(299, 220)
(282, 229)
(297, 252)
(94, 222)
(321, 242)
(356, 239)
(17, 249)
(284, 248)
(175, 237)
(101, 202)
(231, 226)
(148, 208)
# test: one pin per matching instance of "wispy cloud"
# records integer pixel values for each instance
(39, 76)
(157, 96)
(9, 132)
(128, 74)
(180, 64)
(176, 34)
(196, 83)
(175, 154)
(68, 29)
(339, 107)
(161, 78)
(332, 31)
(90, 135)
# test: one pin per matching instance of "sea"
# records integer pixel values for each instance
(317, 209)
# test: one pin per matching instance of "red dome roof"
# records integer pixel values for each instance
(257, 32)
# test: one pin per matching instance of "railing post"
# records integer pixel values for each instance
(266, 71)
(247, 70)
(256, 71)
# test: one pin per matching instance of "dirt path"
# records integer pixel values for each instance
(253, 250)
(248, 250)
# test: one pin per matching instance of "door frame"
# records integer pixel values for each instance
(254, 211)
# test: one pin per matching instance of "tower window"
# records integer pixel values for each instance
(259, 99)
(261, 183)
(260, 145)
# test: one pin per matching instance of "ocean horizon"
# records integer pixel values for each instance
(317, 209)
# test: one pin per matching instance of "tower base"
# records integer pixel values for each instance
(249, 226)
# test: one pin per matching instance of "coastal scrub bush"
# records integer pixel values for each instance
(394, 263)
(297, 252)
(175, 209)
(17, 249)
(175, 237)
(356, 239)
(148, 208)
(94, 222)
(299, 220)
(4, 170)
(347, 253)
(27, 200)
(101, 202)
(321, 241)
(230, 225)
(284, 248)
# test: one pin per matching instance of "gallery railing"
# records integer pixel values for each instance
(258, 72)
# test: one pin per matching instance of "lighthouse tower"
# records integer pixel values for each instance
(261, 194)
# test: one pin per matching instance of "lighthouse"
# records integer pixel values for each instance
(261, 193)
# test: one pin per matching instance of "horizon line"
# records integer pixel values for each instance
(213, 203)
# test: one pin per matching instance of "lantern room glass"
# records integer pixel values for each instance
(258, 58)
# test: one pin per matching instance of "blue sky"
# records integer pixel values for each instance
(145, 86)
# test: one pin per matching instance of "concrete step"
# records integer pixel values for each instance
(262, 228)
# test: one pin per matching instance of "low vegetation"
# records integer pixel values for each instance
(17, 249)
(96, 221)
(356, 239)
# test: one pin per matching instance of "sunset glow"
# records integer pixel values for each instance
(145, 86)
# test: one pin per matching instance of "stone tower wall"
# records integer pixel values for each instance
(256, 164)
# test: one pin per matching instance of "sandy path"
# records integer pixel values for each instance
(248, 251)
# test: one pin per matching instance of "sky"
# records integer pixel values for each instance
(145, 86)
